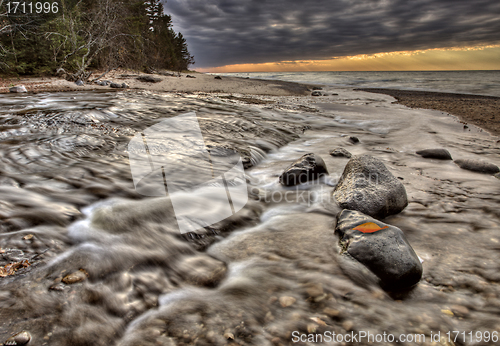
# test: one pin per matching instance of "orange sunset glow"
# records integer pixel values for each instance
(437, 59)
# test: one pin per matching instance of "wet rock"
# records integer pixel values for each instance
(18, 89)
(497, 175)
(317, 88)
(480, 166)
(308, 167)
(189, 76)
(149, 79)
(315, 93)
(354, 140)
(286, 301)
(79, 82)
(367, 185)
(217, 77)
(115, 85)
(340, 152)
(125, 86)
(73, 278)
(202, 270)
(382, 248)
(440, 154)
(21, 338)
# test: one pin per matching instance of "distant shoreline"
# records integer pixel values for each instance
(482, 111)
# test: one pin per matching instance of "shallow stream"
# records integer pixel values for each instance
(109, 266)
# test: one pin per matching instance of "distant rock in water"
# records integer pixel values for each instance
(440, 154)
(18, 89)
(308, 167)
(382, 248)
(217, 77)
(354, 140)
(317, 88)
(480, 166)
(79, 82)
(367, 185)
(149, 79)
(189, 76)
(315, 93)
(340, 152)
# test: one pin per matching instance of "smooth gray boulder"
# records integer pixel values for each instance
(18, 89)
(340, 152)
(308, 167)
(382, 248)
(480, 166)
(367, 185)
(79, 82)
(115, 85)
(440, 154)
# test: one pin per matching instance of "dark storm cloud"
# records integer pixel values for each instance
(222, 32)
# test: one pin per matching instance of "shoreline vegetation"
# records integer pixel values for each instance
(72, 38)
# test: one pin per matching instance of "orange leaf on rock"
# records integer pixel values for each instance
(369, 227)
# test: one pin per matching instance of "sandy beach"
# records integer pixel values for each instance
(167, 83)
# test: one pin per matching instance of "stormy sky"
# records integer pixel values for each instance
(225, 32)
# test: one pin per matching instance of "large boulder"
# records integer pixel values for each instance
(480, 166)
(382, 248)
(308, 167)
(367, 185)
(440, 154)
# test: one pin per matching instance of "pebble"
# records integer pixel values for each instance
(331, 312)
(480, 166)
(340, 152)
(440, 154)
(21, 338)
(73, 278)
(286, 301)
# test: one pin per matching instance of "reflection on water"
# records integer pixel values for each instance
(110, 266)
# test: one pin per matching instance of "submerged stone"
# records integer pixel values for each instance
(480, 166)
(340, 152)
(440, 154)
(367, 185)
(308, 167)
(380, 247)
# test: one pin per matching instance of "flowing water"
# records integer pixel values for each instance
(109, 266)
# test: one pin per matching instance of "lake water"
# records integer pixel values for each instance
(468, 82)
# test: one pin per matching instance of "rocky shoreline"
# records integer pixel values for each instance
(482, 111)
